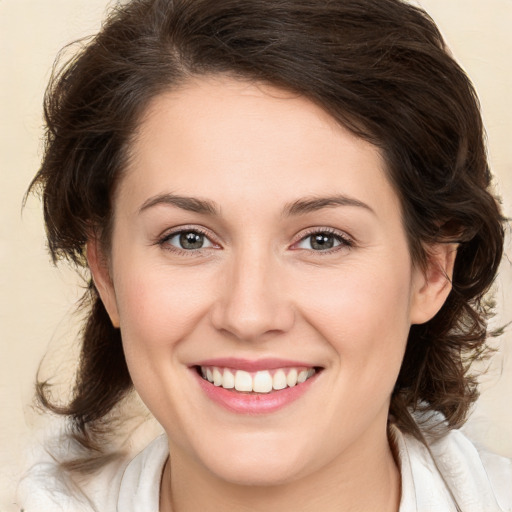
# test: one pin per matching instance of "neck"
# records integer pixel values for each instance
(362, 481)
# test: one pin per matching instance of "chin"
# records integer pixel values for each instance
(258, 464)
(257, 473)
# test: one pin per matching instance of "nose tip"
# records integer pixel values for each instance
(250, 322)
(253, 304)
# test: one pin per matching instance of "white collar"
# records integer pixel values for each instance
(446, 476)
(140, 484)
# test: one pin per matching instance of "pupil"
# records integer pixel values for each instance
(191, 240)
(322, 241)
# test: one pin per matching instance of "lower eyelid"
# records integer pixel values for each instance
(165, 240)
(341, 239)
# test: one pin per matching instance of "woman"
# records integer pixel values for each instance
(285, 210)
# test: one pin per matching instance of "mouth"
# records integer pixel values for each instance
(259, 382)
(255, 386)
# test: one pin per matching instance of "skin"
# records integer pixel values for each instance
(259, 289)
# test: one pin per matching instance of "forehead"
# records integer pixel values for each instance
(226, 139)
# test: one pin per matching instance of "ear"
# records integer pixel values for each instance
(432, 283)
(98, 263)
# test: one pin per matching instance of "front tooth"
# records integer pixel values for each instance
(262, 382)
(279, 380)
(303, 375)
(209, 374)
(243, 381)
(291, 378)
(217, 377)
(228, 380)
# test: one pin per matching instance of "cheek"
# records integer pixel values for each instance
(159, 306)
(159, 310)
(362, 311)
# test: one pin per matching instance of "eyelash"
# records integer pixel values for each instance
(344, 241)
(163, 242)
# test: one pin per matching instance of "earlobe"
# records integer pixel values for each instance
(98, 265)
(433, 283)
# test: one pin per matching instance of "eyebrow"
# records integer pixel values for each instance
(298, 207)
(191, 204)
(307, 205)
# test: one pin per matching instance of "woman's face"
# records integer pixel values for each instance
(258, 243)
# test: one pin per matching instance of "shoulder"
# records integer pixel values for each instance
(452, 470)
(499, 471)
(47, 487)
(44, 488)
(120, 485)
(480, 474)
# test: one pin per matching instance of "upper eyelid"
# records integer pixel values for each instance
(214, 239)
(163, 239)
(169, 233)
(346, 243)
(332, 231)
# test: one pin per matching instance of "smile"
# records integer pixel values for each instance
(255, 387)
(263, 381)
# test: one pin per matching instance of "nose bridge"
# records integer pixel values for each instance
(253, 300)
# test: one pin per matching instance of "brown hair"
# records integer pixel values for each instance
(379, 67)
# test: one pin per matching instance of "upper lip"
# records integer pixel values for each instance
(253, 365)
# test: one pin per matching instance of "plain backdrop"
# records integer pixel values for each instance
(37, 300)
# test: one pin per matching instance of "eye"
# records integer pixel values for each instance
(187, 240)
(323, 241)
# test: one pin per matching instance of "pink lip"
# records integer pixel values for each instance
(253, 366)
(252, 403)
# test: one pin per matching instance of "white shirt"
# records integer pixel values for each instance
(451, 470)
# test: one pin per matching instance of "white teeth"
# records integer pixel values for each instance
(260, 382)
(228, 380)
(243, 381)
(291, 378)
(217, 377)
(279, 380)
(303, 375)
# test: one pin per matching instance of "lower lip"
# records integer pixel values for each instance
(254, 403)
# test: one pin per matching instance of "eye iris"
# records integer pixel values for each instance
(191, 240)
(322, 241)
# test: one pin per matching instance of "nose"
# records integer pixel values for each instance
(253, 304)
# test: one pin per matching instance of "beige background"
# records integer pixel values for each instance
(36, 300)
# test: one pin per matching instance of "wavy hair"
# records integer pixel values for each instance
(379, 67)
